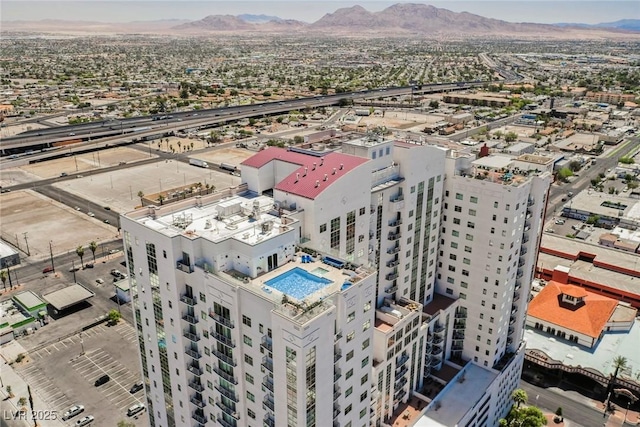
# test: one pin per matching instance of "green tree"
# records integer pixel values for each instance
(434, 104)
(574, 166)
(519, 397)
(510, 137)
(619, 362)
(161, 199)
(626, 160)
(123, 423)
(80, 252)
(93, 246)
(559, 413)
(22, 402)
(114, 316)
(564, 174)
(298, 139)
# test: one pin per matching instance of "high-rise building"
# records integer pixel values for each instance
(331, 288)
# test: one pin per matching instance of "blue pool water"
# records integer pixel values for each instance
(297, 283)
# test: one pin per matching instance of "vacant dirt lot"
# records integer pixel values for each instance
(45, 220)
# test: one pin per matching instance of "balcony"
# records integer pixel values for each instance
(403, 359)
(190, 336)
(228, 410)
(222, 320)
(518, 285)
(228, 341)
(459, 325)
(520, 273)
(391, 276)
(189, 300)
(230, 394)
(268, 403)
(225, 376)
(199, 418)
(456, 347)
(397, 198)
(393, 236)
(429, 338)
(185, 268)
(267, 363)
(196, 385)
(195, 354)
(521, 262)
(336, 409)
(458, 336)
(190, 319)
(439, 329)
(392, 263)
(393, 250)
(269, 421)
(195, 370)
(510, 330)
(461, 314)
(336, 375)
(224, 422)
(226, 359)
(516, 297)
(435, 362)
(523, 250)
(336, 392)
(391, 289)
(512, 320)
(400, 393)
(403, 370)
(437, 350)
(395, 222)
(267, 382)
(337, 354)
(437, 340)
(509, 341)
(267, 343)
(197, 400)
(531, 201)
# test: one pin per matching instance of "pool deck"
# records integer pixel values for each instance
(337, 276)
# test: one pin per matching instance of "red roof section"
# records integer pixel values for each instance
(319, 173)
(263, 157)
(589, 318)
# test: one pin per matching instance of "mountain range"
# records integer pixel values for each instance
(402, 19)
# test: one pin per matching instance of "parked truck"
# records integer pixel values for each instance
(199, 163)
(228, 167)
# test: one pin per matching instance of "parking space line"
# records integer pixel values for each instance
(47, 350)
(54, 346)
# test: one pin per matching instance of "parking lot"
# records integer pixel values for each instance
(63, 374)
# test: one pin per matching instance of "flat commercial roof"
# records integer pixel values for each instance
(458, 398)
(599, 358)
(66, 297)
(29, 300)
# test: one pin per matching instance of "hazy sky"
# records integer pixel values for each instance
(540, 11)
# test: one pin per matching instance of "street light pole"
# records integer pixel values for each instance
(53, 268)
(26, 242)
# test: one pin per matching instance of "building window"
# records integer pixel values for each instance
(473, 199)
(464, 285)
(365, 362)
(351, 335)
(246, 320)
(469, 237)
(251, 396)
(349, 355)
(449, 291)
(348, 392)
(458, 208)
(363, 211)
(323, 228)
(249, 378)
(472, 212)
(459, 196)
(247, 340)
(463, 296)
(248, 359)
(366, 325)
(250, 413)
(364, 379)
(471, 224)
(367, 306)
(365, 343)
(349, 374)
(351, 316)
(348, 408)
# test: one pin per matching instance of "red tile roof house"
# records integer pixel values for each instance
(573, 313)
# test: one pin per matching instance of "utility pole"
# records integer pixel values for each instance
(73, 267)
(26, 242)
(53, 268)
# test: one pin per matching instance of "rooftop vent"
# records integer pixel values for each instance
(297, 177)
(341, 166)
(326, 176)
(305, 171)
(314, 166)
(321, 161)
(334, 171)
(317, 183)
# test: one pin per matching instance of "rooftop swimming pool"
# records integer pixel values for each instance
(298, 283)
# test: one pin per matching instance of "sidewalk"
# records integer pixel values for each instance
(9, 376)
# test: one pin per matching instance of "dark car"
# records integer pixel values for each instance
(47, 270)
(88, 266)
(102, 380)
(136, 387)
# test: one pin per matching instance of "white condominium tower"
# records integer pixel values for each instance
(331, 288)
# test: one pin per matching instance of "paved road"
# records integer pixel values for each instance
(574, 407)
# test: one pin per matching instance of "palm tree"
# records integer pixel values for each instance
(619, 362)
(161, 199)
(519, 397)
(141, 195)
(3, 277)
(80, 252)
(93, 246)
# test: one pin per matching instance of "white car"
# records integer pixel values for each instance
(134, 409)
(85, 421)
(72, 412)
(91, 214)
